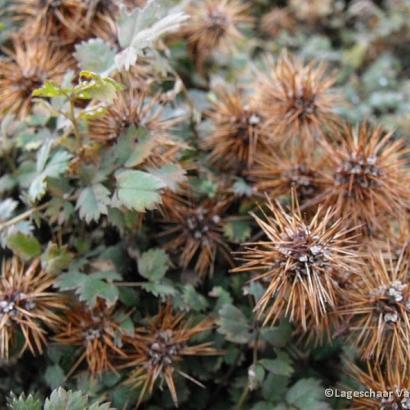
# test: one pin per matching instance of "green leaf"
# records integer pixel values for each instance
(153, 264)
(50, 89)
(242, 188)
(262, 405)
(54, 376)
(54, 167)
(234, 325)
(140, 29)
(55, 259)
(95, 55)
(281, 365)
(61, 399)
(138, 190)
(23, 403)
(194, 300)
(25, 246)
(93, 202)
(159, 289)
(90, 287)
(306, 394)
(274, 387)
(7, 208)
(277, 336)
(170, 174)
(237, 231)
(94, 86)
(255, 289)
(144, 146)
(224, 297)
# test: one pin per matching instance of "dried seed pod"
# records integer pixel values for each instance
(26, 67)
(300, 263)
(390, 387)
(194, 230)
(278, 173)
(67, 21)
(27, 305)
(311, 12)
(368, 177)
(297, 99)
(277, 20)
(378, 308)
(156, 349)
(136, 106)
(99, 334)
(214, 25)
(238, 135)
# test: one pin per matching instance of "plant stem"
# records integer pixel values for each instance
(22, 216)
(74, 122)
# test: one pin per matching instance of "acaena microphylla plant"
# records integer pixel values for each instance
(297, 99)
(238, 135)
(28, 306)
(390, 386)
(368, 178)
(155, 351)
(299, 263)
(193, 230)
(25, 67)
(214, 25)
(377, 309)
(98, 334)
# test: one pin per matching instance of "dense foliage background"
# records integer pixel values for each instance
(114, 149)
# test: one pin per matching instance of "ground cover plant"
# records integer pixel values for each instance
(204, 204)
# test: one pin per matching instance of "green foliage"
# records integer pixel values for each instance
(234, 325)
(47, 167)
(23, 403)
(153, 264)
(61, 399)
(141, 28)
(91, 286)
(90, 86)
(25, 246)
(93, 202)
(95, 55)
(138, 190)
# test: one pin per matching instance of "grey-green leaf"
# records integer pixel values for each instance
(153, 264)
(93, 202)
(138, 190)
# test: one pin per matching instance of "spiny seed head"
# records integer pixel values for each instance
(136, 106)
(392, 380)
(25, 68)
(277, 20)
(311, 11)
(238, 135)
(297, 99)
(156, 349)
(67, 21)
(377, 306)
(27, 305)
(277, 174)
(96, 332)
(194, 230)
(214, 25)
(368, 180)
(300, 262)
